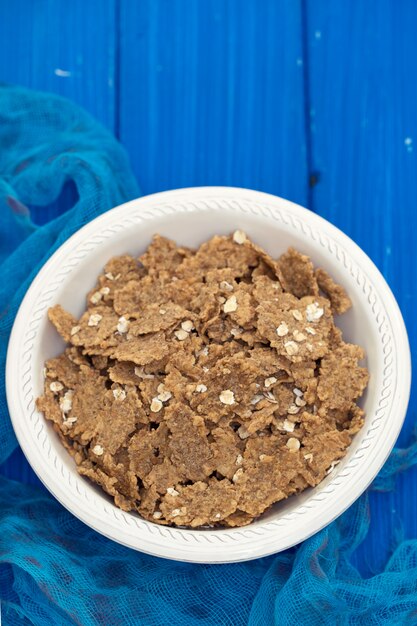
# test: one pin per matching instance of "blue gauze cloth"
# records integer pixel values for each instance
(54, 570)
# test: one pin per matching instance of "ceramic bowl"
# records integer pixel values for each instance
(191, 216)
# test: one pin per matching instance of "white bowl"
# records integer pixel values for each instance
(190, 216)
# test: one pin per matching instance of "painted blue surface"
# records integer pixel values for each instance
(313, 100)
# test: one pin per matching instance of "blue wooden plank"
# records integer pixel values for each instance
(68, 48)
(363, 122)
(212, 93)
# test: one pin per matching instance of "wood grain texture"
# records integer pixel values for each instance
(363, 125)
(211, 93)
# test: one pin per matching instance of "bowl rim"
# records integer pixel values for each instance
(226, 545)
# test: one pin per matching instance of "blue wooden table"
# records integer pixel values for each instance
(313, 100)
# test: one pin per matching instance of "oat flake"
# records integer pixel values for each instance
(242, 432)
(282, 330)
(94, 319)
(230, 305)
(156, 405)
(291, 348)
(227, 397)
(122, 325)
(96, 297)
(187, 326)
(69, 421)
(65, 403)
(56, 386)
(119, 394)
(226, 286)
(314, 312)
(270, 397)
(293, 444)
(239, 237)
(293, 409)
(140, 373)
(298, 336)
(163, 394)
(237, 475)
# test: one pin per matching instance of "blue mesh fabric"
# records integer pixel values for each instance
(54, 570)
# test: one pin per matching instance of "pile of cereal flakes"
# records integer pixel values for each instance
(200, 387)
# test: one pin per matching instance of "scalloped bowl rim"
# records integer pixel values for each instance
(210, 210)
